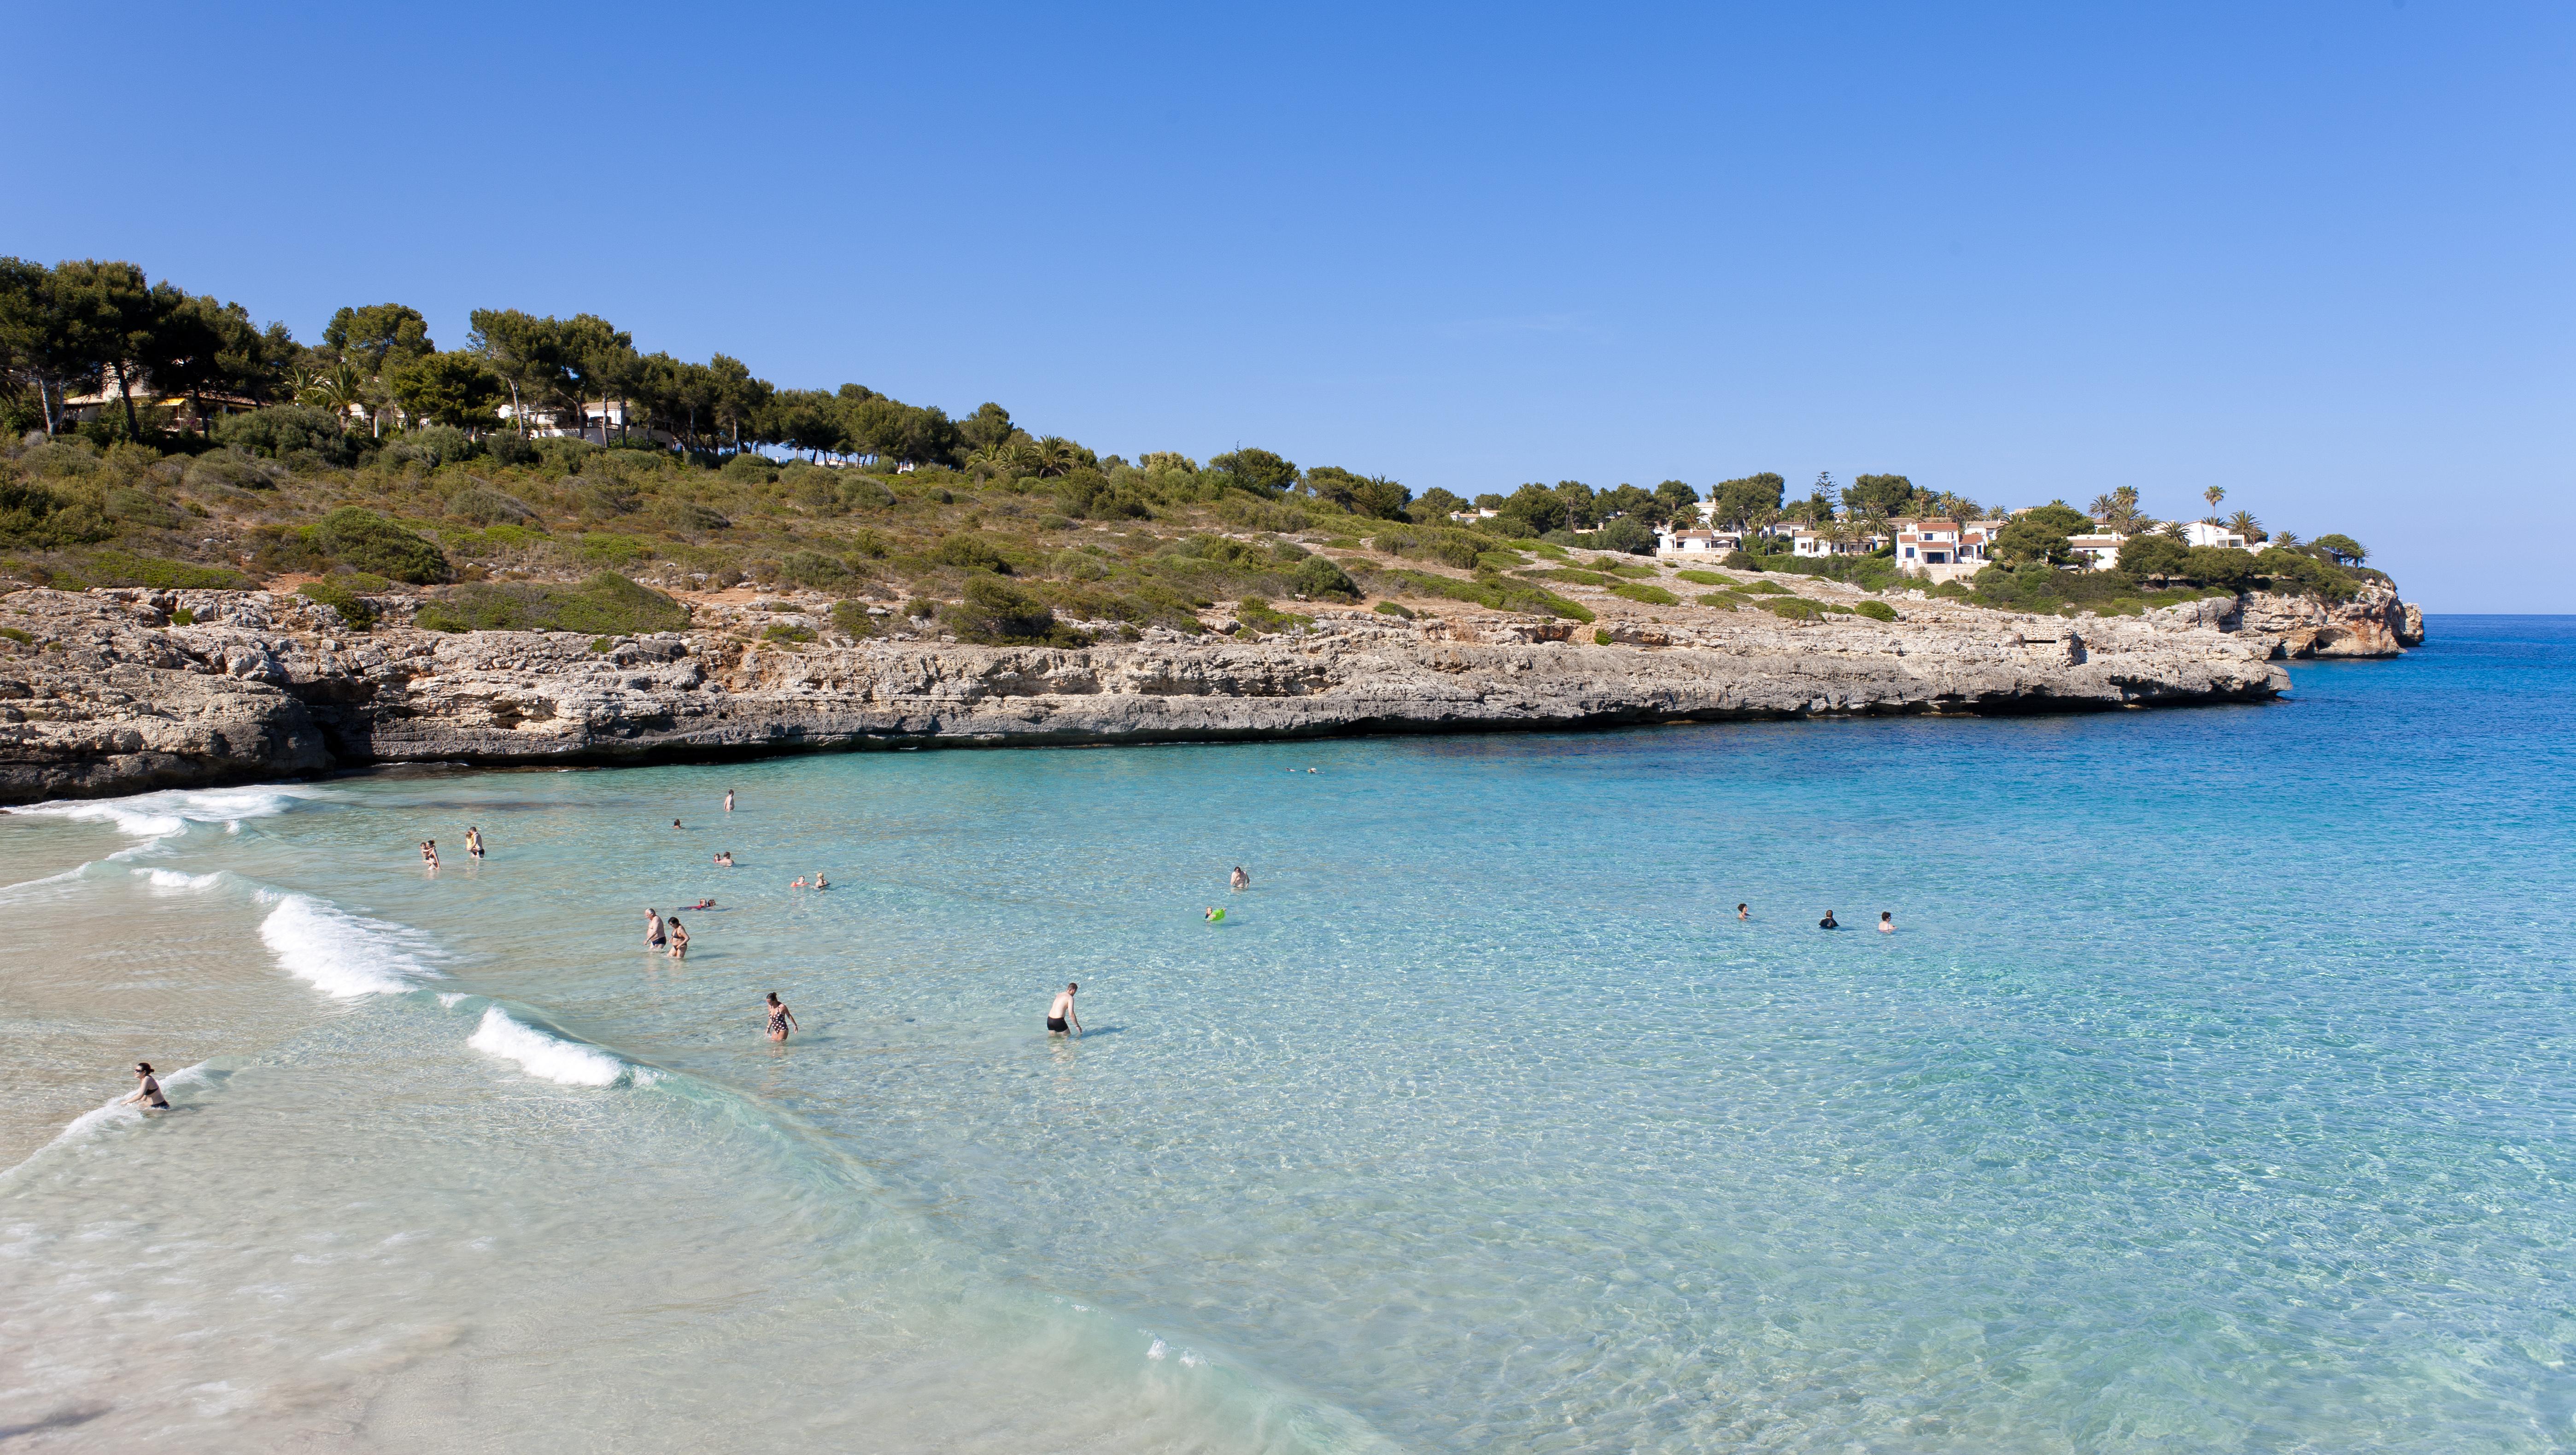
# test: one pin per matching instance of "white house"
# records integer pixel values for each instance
(2099, 552)
(1470, 517)
(2210, 533)
(1930, 543)
(1696, 542)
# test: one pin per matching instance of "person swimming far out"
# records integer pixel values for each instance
(1744, 911)
(725, 859)
(707, 903)
(148, 1093)
(820, 882)
(1827, 923)
(1239, 880)
(1886, 922)
(781, 1019)
(797, 883)
(1214, 914)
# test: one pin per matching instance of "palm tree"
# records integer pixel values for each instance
(2287, 540)
(2117, 511)
(1055, 455)
(2244, 524)
(2213, 495)
(337, 390)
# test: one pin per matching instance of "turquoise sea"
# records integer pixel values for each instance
(2212, 1094)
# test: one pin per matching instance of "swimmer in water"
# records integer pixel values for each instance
(1743, 911)
(652, 930)
(725, 859)
(1061, 1016)
(701, 904)
(799, 882)
(781, 1019)
(1240, 880)
(675, 823)
(728, 800)
(679, 940)
(1886, 922)
(1827, 923)
(819, 882)
(149, 1093)
(1214, 914)
(429, 851)
(473, 842)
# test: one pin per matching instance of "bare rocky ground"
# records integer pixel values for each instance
(118, 691)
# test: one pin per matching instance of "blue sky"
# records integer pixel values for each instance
(2322, 255)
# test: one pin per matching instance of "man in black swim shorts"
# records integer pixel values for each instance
(1062, 1011)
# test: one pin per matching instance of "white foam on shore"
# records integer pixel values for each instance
(116, 1113)
(343, 954)
(171, 881)
(550, 1057)
(160, 815)
(29, 888)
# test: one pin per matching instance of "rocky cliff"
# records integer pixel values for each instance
(111, 692)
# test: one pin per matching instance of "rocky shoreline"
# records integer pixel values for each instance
(121, 691)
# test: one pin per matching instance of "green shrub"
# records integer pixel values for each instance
(606, 604)
(283, 429)
(852, 620)
(1727, 599)
(782, 632)
(1575, 574)
(485, 506)
(688, 515)
(811, 568)
(750, 468)
(336, 595)
(40, 517)
(607, 550)
(1600, 636)
(1765, 588)
(1705, 578)
(972, 552)
(22, 638)
(120, 568)
(184, 616)
(1257, 615)
(1876, 611)
(1640, 592)
(366, 541)
(1001, 614)
(920, 607)
(1317, 576)
(1795, 608)
(1392, 608)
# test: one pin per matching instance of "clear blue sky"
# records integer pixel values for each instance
(2322, 255)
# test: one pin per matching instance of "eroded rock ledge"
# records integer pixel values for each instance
(108, 694)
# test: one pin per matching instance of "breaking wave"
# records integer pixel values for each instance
(550, 1057)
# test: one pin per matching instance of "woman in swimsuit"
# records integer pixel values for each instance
(429, 851)
(149, 1093)
(679, 940)
(781, 1019)
(818, 880)
(473, 842)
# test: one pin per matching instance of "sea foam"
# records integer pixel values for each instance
(343, 954)
(160, 815)
(550, 1057)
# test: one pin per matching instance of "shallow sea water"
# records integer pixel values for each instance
(2212, 1094)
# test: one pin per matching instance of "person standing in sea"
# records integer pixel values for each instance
(781, 1019)
(653, 938)
(728, 800)
(1061, 1016)
(1239, 880)
(679, 940)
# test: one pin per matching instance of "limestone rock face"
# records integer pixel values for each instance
(111, 694)
(2372, 624)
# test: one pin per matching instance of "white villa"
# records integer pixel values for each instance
(1670, 542)
(2210, 533)
(2099, 552)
